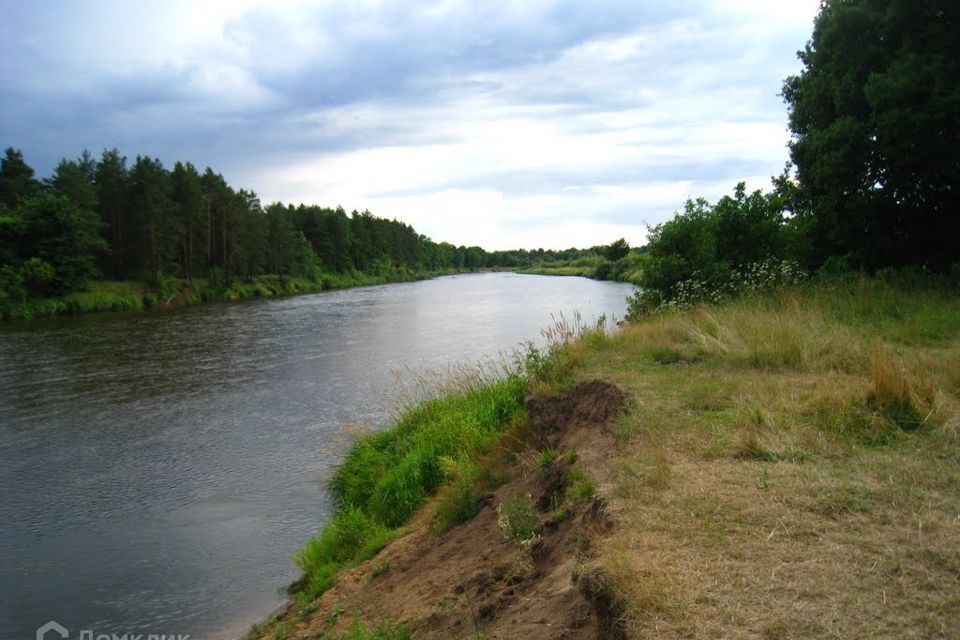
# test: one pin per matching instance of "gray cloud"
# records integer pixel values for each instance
(631, 92)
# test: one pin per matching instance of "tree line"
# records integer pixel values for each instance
(106, 218)
(875, 178)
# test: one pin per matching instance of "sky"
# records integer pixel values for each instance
(504, 124)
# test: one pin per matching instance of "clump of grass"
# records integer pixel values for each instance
(459, 500)
(335, 613)
(546, 458)
(282, 630)
(352, 536)
(550, 369)
(468, 480)
(389, 474)
(559, 509)
(750, 447)
(628, 584)
(518, 519)
(383, 630)
(897, 396)
(581, 486)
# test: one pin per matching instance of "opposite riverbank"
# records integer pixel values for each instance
(779, 465)
(102, 296)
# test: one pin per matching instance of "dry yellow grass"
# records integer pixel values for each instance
(789, 468)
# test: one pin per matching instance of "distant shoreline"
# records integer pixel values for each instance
(110, 296)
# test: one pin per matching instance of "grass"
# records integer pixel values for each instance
(580, 271)
(546, 458)
(581, 486)
(790, 466)
(380, 569)
(100, 296)
(518, 519)
(388, 475)
(360, 631)
(129, 295)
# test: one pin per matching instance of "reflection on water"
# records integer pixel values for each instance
(156, 471)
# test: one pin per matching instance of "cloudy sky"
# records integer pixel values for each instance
(533, 123)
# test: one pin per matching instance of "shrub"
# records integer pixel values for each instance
(518, 519)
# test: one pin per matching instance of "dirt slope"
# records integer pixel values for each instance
(473, 581)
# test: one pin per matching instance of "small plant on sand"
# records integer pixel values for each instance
(380, 569)
(282, 631)
(581, 486)
(382, 631)
(335, 613)
(546, 458)
(305, 604)
(518, 519)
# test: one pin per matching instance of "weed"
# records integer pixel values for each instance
(546, 458)
(305, 604)
(581, 486)
(518, 519)
(379, 569)
(282, 630)
(381, 631)
(335, 613)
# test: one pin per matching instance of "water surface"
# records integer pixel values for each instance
(157, 470)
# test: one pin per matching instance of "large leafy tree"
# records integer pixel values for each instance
(875, 115)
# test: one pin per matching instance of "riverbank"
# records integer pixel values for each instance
(627, 271)
(120, 296)
(775, 466)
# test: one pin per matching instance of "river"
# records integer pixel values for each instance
(157, 470)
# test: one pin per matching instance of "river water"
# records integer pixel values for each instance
(157, 470)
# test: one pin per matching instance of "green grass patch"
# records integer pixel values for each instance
(359, 631)
(546, 458)
(387, 476)
(581, 486)
(518, 519)
(130, 295)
